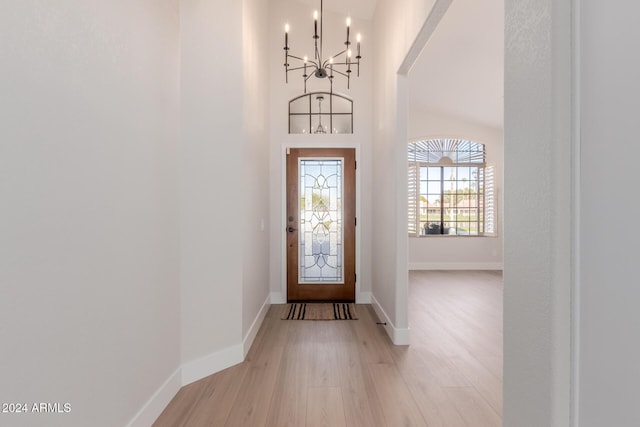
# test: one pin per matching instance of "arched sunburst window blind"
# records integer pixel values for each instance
(450, 188)
(446, 150)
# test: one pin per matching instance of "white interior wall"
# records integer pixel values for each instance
(537, 213)
(300, 18)
(255, 165)
(212, 181)
(608, 346)
(89, 313)
(458, 252)
(397, 25)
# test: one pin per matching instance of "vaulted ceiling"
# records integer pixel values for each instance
(460, 71)
(362, 9)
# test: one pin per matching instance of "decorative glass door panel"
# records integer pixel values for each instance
(320, 230)
(321, 221)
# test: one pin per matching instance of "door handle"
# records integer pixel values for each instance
(291, 229)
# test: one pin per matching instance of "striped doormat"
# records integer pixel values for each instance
(319, 311)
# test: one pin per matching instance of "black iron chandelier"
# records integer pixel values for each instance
(320, 66)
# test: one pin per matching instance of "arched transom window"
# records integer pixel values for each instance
(321, 113)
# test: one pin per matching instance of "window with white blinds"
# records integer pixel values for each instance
(413, 198)
(450, 189)
(489, 201)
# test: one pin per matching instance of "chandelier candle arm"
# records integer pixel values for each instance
(300, 59)
(286, 36)
(324, 64)
(348, 68)
(323, 67)
(286, 52)
(315, 24)
(358, 38)
(348, 28)
(341, 73)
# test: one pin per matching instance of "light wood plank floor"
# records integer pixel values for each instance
(348, 373)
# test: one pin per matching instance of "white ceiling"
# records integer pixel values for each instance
(362, 9)
(460, 71)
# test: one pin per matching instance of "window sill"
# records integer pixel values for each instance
(459, 236)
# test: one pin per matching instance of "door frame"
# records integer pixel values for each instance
(360, 298)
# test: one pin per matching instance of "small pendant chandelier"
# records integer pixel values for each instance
(321, 66)
(320, 128)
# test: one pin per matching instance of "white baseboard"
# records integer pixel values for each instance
(363, 298)
(151, 410)
(455, 266)
(196, 370)
(215, 362)
(399, 336)
(227, 357)
(255, 326)
(278, 298)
